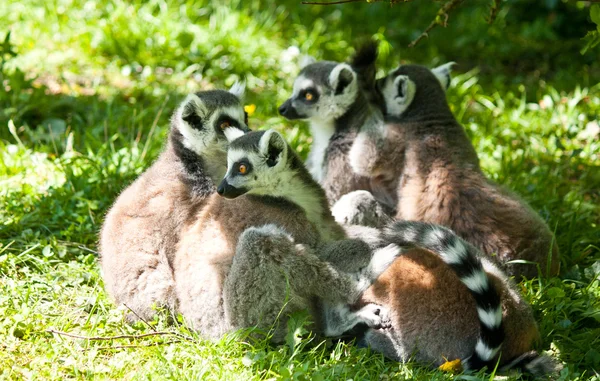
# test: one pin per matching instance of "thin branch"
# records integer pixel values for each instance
(443, 12)
(138, 345)
(107, 338)
(139, 317)
(332, 2)
(495, 7)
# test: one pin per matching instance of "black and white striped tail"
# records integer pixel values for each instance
(464, 259)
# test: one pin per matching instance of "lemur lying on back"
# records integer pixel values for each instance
(440, 181)
(421, 316)
(141, 230)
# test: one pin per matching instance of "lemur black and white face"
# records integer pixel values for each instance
(257, 163)
(323, 91)
(204, 119)
(399, 87)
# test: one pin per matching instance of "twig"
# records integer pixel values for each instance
(443, 12)
(139, 317)
(117, 337)
(138, 345)
(493, 11)
(332, 2)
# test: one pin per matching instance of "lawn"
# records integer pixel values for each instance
(88, 88)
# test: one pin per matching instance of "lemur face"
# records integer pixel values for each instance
(323, 91)
(399, 87)
(204, 119)
(256, 164)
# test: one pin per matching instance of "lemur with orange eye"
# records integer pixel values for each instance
(437, 170)
(432, 315)
(224, 281)
(142, 228)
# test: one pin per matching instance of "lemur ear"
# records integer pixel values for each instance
(341, 77)
(405, 89)
(192, 110)
(442, 73)
(238, 89)
(274, 147)
(306, 60)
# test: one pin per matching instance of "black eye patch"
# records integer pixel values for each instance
(309, 95)
(242, 167)
(225, 121)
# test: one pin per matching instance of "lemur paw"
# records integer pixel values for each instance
(375, 316)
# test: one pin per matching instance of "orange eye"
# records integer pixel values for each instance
(242, 169)
(224, 124)
(309, 96)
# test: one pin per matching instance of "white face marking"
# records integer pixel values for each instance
(301, 83)
(232, 133)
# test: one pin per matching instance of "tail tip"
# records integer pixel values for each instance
(540, 366)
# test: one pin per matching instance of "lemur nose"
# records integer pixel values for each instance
(283, 108)
(221, 189)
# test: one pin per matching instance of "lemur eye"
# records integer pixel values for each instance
(224, 124)
(243, 169)
(309, 96)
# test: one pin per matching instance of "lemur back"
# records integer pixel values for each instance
(438, 173)
(141, 230)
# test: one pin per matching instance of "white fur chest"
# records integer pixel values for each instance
(321, 132)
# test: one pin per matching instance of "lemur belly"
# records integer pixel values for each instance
(435, 315)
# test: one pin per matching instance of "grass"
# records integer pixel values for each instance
(85, 109)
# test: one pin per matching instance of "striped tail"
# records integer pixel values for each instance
(464, 259)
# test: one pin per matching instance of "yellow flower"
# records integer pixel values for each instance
(250, 109)
(453, 366)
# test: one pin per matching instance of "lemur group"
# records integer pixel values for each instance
(390, 230)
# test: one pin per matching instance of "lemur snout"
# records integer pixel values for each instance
(284, 108)
(228, 191)
(288, 111)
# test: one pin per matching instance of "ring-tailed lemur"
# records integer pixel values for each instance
(224, 283)
(440, 180)
(266, 166)
(432, 317)
(329, 95)
(141, 230)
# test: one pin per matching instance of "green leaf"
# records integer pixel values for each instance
(595, 14)
(555, 293)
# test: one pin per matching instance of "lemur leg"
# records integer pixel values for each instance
(364, 261)
(338, 318)
(271, 277)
